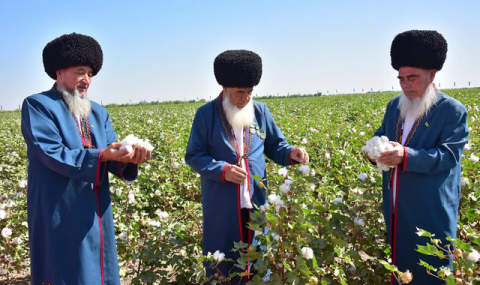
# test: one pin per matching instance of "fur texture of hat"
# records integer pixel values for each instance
(72, 50)
(238, 68)
(419, 48)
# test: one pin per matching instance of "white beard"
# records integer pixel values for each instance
(419, 106)
(238, 118)
(77, 104)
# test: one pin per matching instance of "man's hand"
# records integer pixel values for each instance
(393, 156)
(113, 153)
(235, 174)
(300, 155)
(137, 156)
(140, 155)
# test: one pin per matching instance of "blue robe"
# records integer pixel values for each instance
(208, 153)
(428, 183)
(67, 240)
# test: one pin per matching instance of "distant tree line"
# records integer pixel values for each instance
(144, 103)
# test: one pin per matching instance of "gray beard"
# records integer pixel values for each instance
(77, 104)
(238, 118)
(419, 106)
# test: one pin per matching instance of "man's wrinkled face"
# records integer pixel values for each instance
(414, 81)
(239, 96)
(75, 78)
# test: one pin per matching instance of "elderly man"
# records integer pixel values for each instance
(71, 148)
(428, 131)
(229, 138)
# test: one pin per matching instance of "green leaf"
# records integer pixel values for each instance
(257, 177)
(423, 233)
(388, 266)
(429, 249)
(426, 265)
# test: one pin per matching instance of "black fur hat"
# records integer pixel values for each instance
(72, 50)
(238, 68)
(422, 49)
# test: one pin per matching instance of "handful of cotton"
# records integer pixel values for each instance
(130, 142)
(374, 149)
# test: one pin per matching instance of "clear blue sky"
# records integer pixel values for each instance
(165, 49)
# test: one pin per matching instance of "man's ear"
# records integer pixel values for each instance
(433, 72)
(59, 73)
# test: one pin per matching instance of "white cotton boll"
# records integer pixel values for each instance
(16, 240)
(158, 192)
(337, 201)
(327, 155)
(283, 172)
(374, 149)
(361, 133)
(163, 215)
(285, 188)
(289, 182)
(147, 145)
(278, 201)
(131, 198)
(130, 140)
(307, 253)
(359, 222)
(175, 164)
(3, 214)
(6, 232)
(272, 198)
(147, 167)
(22, 183)
(474, 256)
(468, 146)
(342, 152)
(473, 158)
(465, 181)
(311, 187)
(118, 191)
(218, 256)
(154, 223)
(128, 147)
(150, 121)
(357, 191)
(3, 271)
(304, 169)
(363, 176)
(304, 141)
(122, 236)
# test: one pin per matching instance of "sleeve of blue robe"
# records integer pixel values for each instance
(43, 138)
(449, 149)
(197, 151)
(276, 146)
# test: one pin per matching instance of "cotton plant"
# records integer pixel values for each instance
(274, 243)
(374, 149)
(464, 257)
